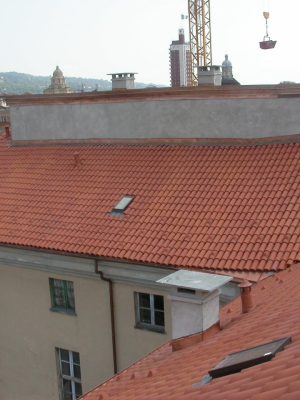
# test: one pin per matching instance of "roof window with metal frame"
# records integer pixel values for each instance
(122, 205)
(236, 362)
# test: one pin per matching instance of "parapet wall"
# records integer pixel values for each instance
(156, 118)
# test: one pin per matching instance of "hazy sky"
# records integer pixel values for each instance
(90, 38)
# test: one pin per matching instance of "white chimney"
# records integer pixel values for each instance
(210, 75)
(123, 80)
(195, 299)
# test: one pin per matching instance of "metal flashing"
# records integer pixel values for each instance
(195, 280)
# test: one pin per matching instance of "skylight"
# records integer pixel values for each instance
(123, 204)
(235, 362)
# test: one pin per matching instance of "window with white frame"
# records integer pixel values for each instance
(69, 374)
(150, 312)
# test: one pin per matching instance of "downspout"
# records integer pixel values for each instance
(112, 314)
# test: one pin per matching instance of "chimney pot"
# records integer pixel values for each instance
(7, 131)
(246, 296)
(76, 158)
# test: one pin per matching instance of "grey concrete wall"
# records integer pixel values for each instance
(195, 118)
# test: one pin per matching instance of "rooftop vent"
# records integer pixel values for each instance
(122, 205)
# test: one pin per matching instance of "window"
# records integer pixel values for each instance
(62, 295)
(236, 362)
(69, 374)
(150, 311)
(121, 206)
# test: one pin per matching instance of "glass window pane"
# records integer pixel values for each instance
(67, 389)
(123, 203)
(64, 355)
(70, 295)
(158, 302)
(159, 318)
(65, 368)
(145, 316)
(58, 293)
(144, 300)
(77, 372)
(76, 358)
(78, 389)
(67, 396)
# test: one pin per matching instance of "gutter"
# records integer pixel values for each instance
(112, 313)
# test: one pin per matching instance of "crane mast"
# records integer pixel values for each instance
(200, 35)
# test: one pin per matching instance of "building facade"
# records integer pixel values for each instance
(180, 62)
(57, 319)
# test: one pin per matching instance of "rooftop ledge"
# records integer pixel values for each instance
(148, 94)
(223, 142)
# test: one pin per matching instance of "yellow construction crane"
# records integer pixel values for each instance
(200, 36)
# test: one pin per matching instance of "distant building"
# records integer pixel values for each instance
(4, 113)
(58, 83)
(180, 62)
(227, 75)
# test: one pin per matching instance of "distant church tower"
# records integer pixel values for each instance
(227, 75)
(58, 84)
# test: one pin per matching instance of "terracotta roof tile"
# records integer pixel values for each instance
(194, 206)
(275, 315)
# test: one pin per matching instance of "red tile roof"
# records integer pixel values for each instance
(170, 375)
(226, 208)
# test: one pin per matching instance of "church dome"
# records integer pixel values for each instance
(226, 62)
(58, 73)
(58, 84)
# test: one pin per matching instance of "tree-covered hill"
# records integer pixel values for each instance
(18, 83)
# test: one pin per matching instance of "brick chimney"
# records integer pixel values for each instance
(246, 296)
(195, 298)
